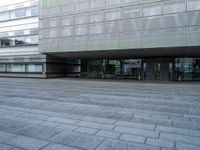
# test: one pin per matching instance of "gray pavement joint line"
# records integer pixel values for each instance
(13, 146)
(100, 143)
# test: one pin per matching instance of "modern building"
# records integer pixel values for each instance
(19, 54)
(137, 39)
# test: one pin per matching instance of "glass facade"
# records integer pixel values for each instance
(186, 69)
(19, 52)
(19, 13)
(19, 24)
(21, 68)
(119, 24)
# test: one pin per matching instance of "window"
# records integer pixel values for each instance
(32, 39)
(34, 11)
(34, 68)
(2, 67)
(33, 31)
(4, 16)
(19, 32)
(18, 13)
(16, 68)
(3, 34)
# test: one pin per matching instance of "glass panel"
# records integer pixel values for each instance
(130, 12)
(95, 17)
(96, 28)
(131, 1)
(174, 6)
(193, 35)
(79, 43)
(64, 44)
(130, 25)
(193, 18)
(150, 38)
(112, 27)
(32, 39)
(18, 13)
(94, 42)
(129, 40)
(152, 9)
(80, 19)
(3, 34)
(188, 68)
(34, 68)
(19, 32)
(111, 2)
(174, 20)
(193, 5)
(4, 16)
(81, 5)
(151, 23)
(149, 1)
(66, 20)
(110, 41)
(67, 32)
(95, 4)
(34, 11)
(16, 68)
(2, 67)
(112, 14)
(80, 30)
(173, 37)
(51, 23)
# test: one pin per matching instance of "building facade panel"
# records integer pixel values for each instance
(157, 23)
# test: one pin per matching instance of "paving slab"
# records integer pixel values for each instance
(99, 114)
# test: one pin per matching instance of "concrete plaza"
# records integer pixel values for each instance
(74, 114)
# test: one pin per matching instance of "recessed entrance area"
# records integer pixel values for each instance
(159, 69)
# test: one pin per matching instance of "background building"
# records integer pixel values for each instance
(19, 54)
(108, 34)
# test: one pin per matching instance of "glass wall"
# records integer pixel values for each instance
(188, 68)
(185, 69)
(19, 13)
(19, 41)
(21, 68)
(121, 24)
(106, 68)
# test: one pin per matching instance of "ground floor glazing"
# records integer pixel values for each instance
(45, 66)
(168, 69)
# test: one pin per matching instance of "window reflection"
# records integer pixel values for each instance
(19, 41)
(19, 13)
(21, 68)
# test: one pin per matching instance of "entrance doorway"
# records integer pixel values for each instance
(156, 69)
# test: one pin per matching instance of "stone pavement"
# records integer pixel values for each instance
(74, 114)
